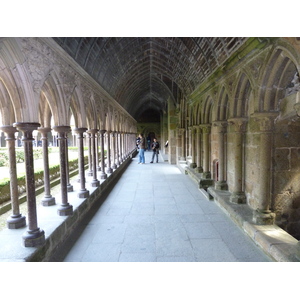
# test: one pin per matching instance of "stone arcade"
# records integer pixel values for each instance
(228, 107)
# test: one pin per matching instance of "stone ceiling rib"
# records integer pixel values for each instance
(129, 67)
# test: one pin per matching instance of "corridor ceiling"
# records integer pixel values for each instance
(142, 73)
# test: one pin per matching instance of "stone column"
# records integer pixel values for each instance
(48, 200)
(97, 153)
(206, 131)
(90, 171)
(16, 220)
(103, 175)
(199, 168)
(121, 150)
(65, 208)
(113, 150)
(108, 167)
(221, 129)
(193, 146)
(263, 215)
(34, 236)
(238, 125)
(95, 182)
(83, 193)
(117, 139)
(189, 142)
(69, 186)
(182, 154)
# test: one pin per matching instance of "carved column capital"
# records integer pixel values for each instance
(238, 124)
(265, 120)
(221, 126)
(80, 131)
(205, 128)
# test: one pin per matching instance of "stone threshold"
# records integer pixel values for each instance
(274, 241)
(59, 230)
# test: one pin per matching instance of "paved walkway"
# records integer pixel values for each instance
(157, 214)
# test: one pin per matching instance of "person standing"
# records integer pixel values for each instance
(142, 146)
(155, 149)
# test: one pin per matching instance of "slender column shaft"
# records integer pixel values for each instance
(95, 181)
(34, 235)
(113, 150)
(16, 220)
(90, 172)
(83, 193)
(48, 200)
(65, 208)
(97, 153)
(103, 175)
(108, 143)
(69, 186)
(117, 139)
(183, 155)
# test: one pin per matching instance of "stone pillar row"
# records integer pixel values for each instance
(121, 148)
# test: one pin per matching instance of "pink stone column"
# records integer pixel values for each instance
(16, 220)
(90, 171)
(69, 186)
(48, 200)
(117, 149)
(34, 236)
(103, 175)
(65, 208)
(83, 193)
(95, 182)
(113, 151)
(108, 167)
(97, 153)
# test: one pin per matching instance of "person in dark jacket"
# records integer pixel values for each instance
(155, 149)
(142, 146)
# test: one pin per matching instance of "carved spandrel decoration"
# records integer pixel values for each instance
(39, 60)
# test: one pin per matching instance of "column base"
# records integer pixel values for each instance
(15, 222)
(65, 210)
(199, 170)
(263, 217)
(34, 238)
(90, 173)
(206, 175)
(103, 176)
(205, 183)
(70, 188)
(95, 183)
(48, 201)
(109, 171)
(221, 185)
(238, 197)
(83, 194)
(193, 165)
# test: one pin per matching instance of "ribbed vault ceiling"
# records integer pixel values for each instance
(143, 73)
